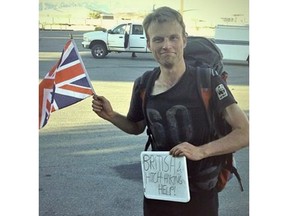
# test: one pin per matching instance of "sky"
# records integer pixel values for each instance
(209, 11)
(200, 17)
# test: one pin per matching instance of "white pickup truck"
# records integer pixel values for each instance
(127, 37)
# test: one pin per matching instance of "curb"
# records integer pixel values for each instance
(235, 62)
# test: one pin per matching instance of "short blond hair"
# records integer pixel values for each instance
(161, 15)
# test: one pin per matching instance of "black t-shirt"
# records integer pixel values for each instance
(178, 114)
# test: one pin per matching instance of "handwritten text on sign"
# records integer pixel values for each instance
(164, 176)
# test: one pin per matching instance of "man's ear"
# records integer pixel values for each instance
(148, 44)
(184, 41)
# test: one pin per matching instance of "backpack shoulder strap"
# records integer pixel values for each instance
(146, 81)
(146, 84)
(203, 76)
(203, 79)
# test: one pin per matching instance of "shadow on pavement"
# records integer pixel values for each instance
(129, 171)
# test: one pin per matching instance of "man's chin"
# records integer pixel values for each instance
(166, 61)
(168, 65)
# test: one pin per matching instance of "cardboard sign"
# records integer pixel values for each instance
(164, 177)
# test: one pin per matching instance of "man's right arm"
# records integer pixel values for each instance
(102, 107)
(123, 123)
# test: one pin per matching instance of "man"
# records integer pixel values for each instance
(224, 76)
(133, 55)
(177, 117)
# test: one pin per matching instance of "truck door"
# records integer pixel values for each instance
(116, 38)
(137, 39)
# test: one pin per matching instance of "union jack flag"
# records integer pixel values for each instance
(65, 84)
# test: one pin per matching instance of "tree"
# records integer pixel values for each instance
(95, 15)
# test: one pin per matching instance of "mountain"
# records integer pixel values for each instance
(90, 5)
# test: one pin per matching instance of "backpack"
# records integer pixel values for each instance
(203, 51)
(203, 54)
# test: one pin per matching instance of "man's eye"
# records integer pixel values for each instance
(157, 40)
(174, 38)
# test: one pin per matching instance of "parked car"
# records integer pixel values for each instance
(126, 37)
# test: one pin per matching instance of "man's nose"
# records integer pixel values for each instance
(166, 43)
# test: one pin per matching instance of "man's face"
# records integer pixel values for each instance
(166, 42)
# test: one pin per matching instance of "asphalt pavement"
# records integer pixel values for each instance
(95, 170)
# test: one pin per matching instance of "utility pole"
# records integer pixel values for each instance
(43, 5)
(181, 7)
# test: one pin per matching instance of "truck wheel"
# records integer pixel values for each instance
(99, 51)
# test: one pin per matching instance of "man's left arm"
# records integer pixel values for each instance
(237, 139)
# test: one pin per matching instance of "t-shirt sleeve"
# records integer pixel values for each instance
(221, 94)
(135, 112)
